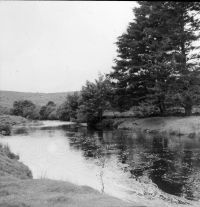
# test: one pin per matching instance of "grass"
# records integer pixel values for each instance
(17, 189)
(6, 150)
(49, 193)
(173, 125)
(9, 164)
(7, 121)
(11, 120)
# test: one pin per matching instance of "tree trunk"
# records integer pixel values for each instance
(188, 103)
(162, 108)
(162, 104)
(188, 110)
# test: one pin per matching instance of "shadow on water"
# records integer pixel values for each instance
(171, 162)
(167, 160)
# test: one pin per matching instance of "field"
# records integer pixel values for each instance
(8, 97)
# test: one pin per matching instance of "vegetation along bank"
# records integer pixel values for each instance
(17, 188)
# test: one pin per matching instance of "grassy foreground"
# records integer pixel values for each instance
(48, 193)
(18, 189)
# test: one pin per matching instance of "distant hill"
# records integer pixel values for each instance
(8, 97)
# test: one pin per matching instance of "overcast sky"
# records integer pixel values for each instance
(57, 46)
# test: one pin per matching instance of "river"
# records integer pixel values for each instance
(152, 170)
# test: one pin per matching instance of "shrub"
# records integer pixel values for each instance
(5, 129)
(25, 108)
(147, 109)
(48, 111)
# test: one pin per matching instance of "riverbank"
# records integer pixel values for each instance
(12, 120)
(7, 121)
(172, 124)
(17, 188)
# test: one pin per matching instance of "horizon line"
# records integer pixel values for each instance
(36, 92)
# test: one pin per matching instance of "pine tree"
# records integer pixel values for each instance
(185, 30)
(149, 57)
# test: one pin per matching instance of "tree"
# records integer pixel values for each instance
(25, 108)
(73, 104)
(48, 111)
(148, 60)
(63, 112)
(94, 100)
(185, 91)
(68, 110)
(142, 60)
(185, 31)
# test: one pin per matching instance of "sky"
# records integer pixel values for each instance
(57, 46)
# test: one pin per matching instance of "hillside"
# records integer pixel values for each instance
(8, 97)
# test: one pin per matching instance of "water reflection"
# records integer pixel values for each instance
(168, 161)
(138, 165)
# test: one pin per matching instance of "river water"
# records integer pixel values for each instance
(152, 170)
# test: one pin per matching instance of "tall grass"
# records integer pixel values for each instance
(5, 149)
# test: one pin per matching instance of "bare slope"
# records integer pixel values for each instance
(8, 97)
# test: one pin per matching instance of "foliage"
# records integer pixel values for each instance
(5, 129)
(95, 100)
(25, 108)
(155, 53)
(186, 92)
(68, 110)
(48, 112)
(148, 109)
(62, 112)
(185, 88)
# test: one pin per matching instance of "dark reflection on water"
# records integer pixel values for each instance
(171, 162)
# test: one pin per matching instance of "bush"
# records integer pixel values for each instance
(49, 111)
(5, 129)
(147, 109)
(25, 108)
(53, 115)
(63, 113)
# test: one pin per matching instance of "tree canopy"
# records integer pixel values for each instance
(155, 52)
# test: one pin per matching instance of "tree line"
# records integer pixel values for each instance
(157, 67)
(87, 105)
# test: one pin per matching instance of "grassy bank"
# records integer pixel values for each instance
(12, 120)
(7, 121)
(179, 125)
(18, 189)
(49, 193)
(10, 166)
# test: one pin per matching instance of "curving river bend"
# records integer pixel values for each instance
(152, 170)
